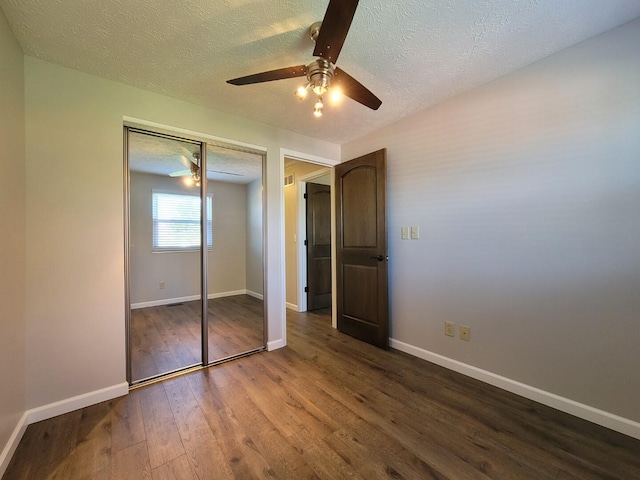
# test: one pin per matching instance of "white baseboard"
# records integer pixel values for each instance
(165, 301)
(257, 295)
(54, 409)
(191, 298)
(10, 448)
(292, 306)
(74, 403)
(276, 344)
(232, 293)
(586, 412)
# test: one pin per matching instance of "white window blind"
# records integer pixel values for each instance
(176, 222)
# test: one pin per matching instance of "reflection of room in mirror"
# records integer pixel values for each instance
(164, 253)
(228, 165)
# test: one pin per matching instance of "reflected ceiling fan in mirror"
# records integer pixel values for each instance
(192, 174)
(322, 74)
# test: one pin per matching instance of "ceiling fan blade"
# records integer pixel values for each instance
(354, 89)
(279, 74)
(180, 173)
(185, 161)
(226, 173)
(334, 29)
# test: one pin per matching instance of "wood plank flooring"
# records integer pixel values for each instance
(167, 337)
(325, 407)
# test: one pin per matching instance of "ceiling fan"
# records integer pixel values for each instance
(193, 172)
(322, 73)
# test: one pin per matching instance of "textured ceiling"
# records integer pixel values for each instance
(410, 53)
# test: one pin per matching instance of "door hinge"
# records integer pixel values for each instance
(305, 242)
(306, 289)
(305, 196)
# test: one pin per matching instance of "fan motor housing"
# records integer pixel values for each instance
(314, 30)
(320, 74)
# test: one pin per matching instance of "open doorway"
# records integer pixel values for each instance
(299, 244)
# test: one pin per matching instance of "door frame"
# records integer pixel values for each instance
(153, 128)
(323, 162)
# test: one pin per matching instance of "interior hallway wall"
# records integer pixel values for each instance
(527, 195)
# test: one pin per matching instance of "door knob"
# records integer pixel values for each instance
(380, 258)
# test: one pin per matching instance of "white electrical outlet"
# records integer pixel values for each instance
(465, 332)
(162, 285)
(450, 329)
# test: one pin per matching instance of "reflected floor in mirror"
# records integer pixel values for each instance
(167, 337)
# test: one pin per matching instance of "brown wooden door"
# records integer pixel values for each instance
(361, 250)
(318, 199)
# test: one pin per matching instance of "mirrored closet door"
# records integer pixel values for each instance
(235, 258)
(179, 246)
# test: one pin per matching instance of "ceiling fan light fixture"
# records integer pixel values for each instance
(321, 89)
(336, 95)
(317, 108)
(320, 74)
(302, 91)
(194, 179)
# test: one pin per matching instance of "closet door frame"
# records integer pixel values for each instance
(204, 361)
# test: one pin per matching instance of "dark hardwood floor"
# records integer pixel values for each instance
(167, 337)
(326, 406)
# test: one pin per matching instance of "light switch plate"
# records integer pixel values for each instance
(404, 233)
(450, 329)
(415, 233)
